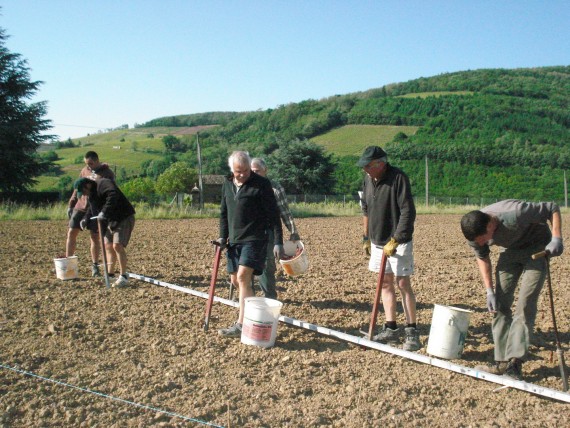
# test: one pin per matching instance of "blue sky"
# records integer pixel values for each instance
(106, 63)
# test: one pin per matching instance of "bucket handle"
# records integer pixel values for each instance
(453, 322)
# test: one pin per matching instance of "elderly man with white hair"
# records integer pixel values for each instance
(248, 210)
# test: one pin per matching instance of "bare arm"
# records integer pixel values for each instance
(365, 225)
(485, 269)
(556, 225)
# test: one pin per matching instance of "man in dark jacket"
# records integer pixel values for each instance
(388, 219)
(248, 210)
(118, 216)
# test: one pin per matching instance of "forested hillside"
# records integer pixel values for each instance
(492, 133)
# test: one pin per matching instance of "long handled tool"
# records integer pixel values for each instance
(559, 351)
(103, 250)
(374, 314)
(212, 283)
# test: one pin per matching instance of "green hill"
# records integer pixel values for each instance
(487, 133)
(124, 150)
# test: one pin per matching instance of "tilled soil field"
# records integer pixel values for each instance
(74, 353)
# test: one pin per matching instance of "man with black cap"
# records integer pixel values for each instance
(388, 219)
(117, 215)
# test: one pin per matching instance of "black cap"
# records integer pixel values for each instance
(371, 153)
(80, 183)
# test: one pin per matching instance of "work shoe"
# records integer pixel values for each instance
(232, 331)
(497, 368)
(121, 282)
(514, 369)
(412, 341)
(388, 335)
(95, 270)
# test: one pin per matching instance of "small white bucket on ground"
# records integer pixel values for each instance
(260, 319)
(448, 331)
(296, 265)
(66, 268)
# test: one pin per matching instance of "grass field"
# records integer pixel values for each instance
(125, 148)
(351, 140)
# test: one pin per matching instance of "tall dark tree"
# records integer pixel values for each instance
(21, 122)
(302, 167)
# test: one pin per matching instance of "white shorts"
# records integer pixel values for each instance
(401, 263)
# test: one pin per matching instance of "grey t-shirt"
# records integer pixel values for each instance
(521, 225)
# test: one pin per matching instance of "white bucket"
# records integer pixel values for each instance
(66, 268)
(448, 331)
(260, 319)
(297, 265)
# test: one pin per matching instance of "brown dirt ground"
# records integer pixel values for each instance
(145, 343)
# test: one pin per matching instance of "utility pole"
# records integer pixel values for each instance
(200, 185)
(565, 191)
(427, 183)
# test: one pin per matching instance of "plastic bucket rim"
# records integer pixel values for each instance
(453, 308)
(296, 257)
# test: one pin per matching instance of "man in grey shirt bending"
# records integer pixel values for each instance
(521, 229)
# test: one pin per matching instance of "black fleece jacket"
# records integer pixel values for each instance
(389, 206)
(247, 213)
(106, 197)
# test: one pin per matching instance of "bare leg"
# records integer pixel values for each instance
(111, 257)
(95, 247)
(243, 278)
(389, 297)
(408, 298)
(71, 242)
(119, 250)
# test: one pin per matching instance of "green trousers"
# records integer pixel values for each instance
(267, 278)
(512, 331)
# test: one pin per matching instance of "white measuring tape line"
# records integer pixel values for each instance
(425, 359)
(101, 394)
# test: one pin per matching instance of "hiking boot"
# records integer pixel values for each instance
(514, 369)
(121, 282)
(233, 331)
(95, 270)
(412, 341)
(497, 368)
(388, 335)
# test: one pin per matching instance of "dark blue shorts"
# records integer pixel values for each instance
(251, 254)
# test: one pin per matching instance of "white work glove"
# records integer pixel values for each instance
(278, 251)
(491, 300)
(101, 216)
(555, 247)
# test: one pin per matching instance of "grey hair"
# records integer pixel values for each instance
(260, 163)
(240, 157)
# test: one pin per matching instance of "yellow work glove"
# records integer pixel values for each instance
(366, 245)
(390, 247)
